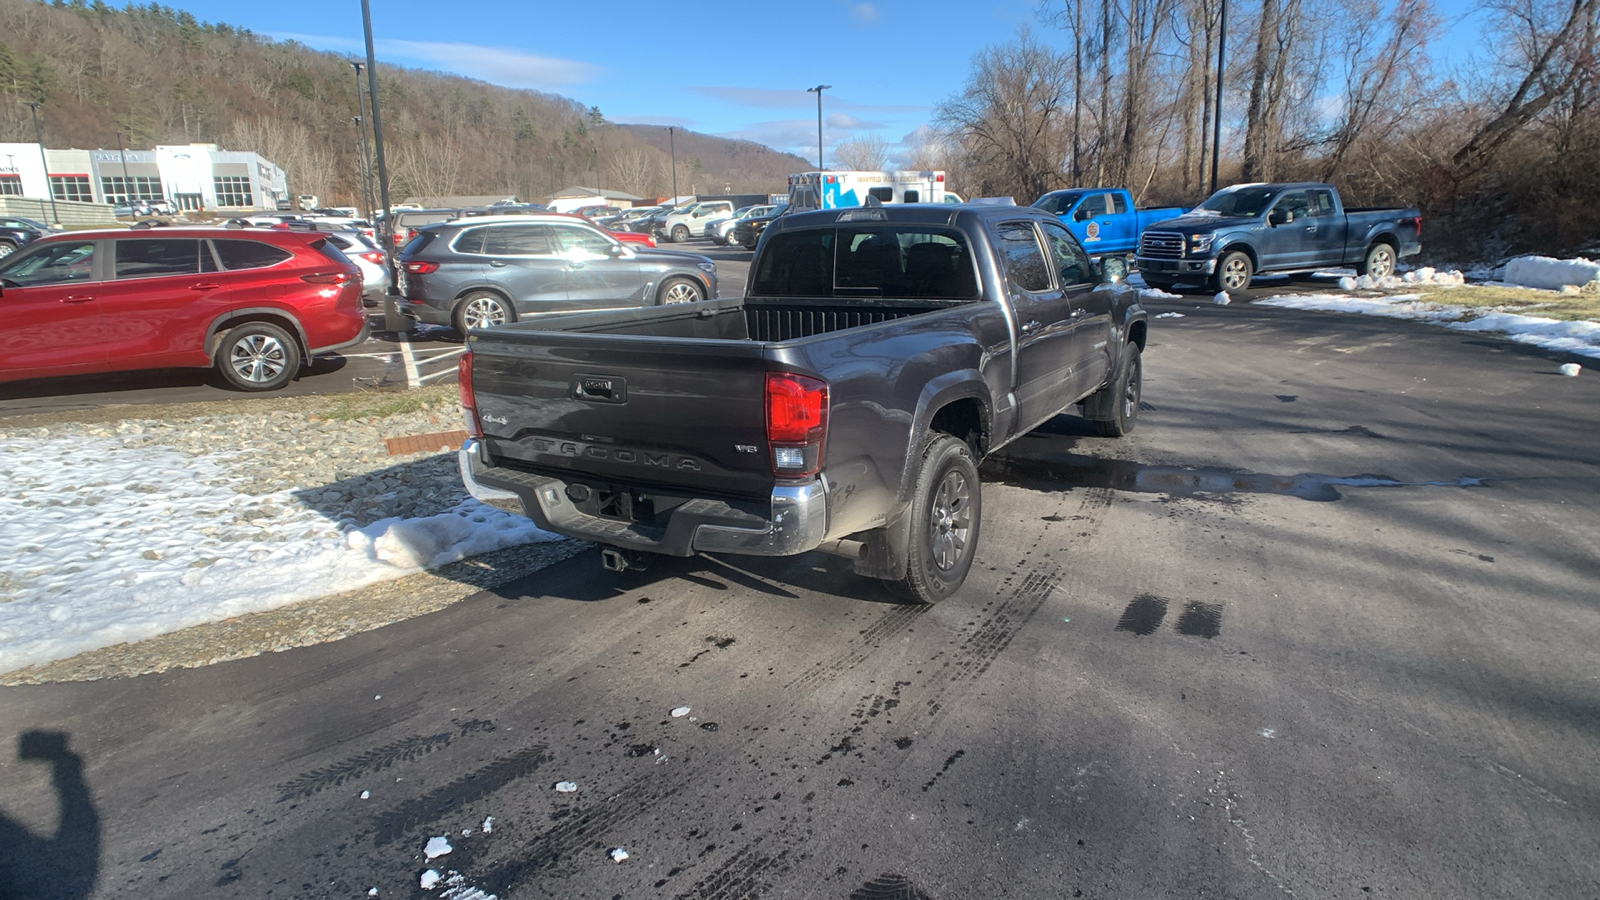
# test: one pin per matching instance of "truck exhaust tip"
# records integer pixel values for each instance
(616, 559)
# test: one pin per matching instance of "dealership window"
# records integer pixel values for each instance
(233, 190)
(71, 187)
(10, 185)
(116, 188)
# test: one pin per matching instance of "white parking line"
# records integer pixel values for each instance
(413, 379)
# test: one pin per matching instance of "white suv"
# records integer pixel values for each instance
(684, 223)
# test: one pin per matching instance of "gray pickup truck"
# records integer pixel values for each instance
(842, 405)
(1251, 229)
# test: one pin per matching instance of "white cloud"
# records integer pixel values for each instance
(864, 14)
(497, 65)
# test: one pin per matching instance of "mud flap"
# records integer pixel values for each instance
(885, 553)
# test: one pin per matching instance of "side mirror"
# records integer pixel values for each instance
(1280, 217)
(1114, 270)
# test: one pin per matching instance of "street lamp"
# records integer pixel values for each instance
(39, 136)
(673, 147)
(364, 167)
(818, 91)
(127, 183)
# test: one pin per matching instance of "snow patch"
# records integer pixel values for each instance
(1169, 315)
(680, 712)
(437, 846)
(1222, 298)
(566, 787)
(1550, 274)
(1416, 277)
(618, 854)
(1570, 370)
(1151, 293)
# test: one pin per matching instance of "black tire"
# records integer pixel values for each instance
(1114, 409)
(946, 510)
(748, 245)
(680, 233)
(1379, 261)
(7, 248)
(1234, 271)
(680, 290)
(258, 356)
(482, 309)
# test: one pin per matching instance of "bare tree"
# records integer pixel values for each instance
(868, 153)
(631, 169)
(1377, 66)
(1008, 118)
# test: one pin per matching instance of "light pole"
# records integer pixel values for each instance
(127, 183)
(1216, 125)
(365, 166)
(673, 148)
(392, 320)
(39, 136)
(818, 91)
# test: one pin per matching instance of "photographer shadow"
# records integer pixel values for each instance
(65, 865)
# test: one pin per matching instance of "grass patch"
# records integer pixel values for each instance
(382, 404)
(1524, 301)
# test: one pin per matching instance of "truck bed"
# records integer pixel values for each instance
(741, 319)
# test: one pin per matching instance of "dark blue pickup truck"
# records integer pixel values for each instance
(1251, 229)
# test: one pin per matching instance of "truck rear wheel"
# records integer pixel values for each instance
(946, 507)
(1379, 261)
(1114, 409)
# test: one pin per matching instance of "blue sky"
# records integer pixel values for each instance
(729, 69)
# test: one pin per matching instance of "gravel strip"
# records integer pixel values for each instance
(336, 463)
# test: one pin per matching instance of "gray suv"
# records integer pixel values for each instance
(472, 273)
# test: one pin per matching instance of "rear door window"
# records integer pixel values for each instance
(1025, 264)
(517, 240)
(157, 257)
(244, 254)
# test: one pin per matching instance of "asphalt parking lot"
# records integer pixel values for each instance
(1323, 626)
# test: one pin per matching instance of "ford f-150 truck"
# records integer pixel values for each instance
(842, 405)
(1248, 229)
(1104, 219)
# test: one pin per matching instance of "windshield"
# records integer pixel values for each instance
(1238, 203)
(1057, 202)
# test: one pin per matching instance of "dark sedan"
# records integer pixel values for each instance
(474, 273)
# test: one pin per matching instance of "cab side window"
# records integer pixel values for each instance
(1321, 203)
(1025, 263)
(1072, 264)
(1093, 205)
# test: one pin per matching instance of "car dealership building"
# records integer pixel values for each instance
(189, 176)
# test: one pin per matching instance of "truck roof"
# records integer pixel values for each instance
(944, 214)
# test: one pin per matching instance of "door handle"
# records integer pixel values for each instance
(1029, 327)
(76, 298)
(497, 263)
(204, 286)
(574, 266)
(1079, 313)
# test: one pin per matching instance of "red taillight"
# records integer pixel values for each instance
(373, 256)
(329, 277)
(421, 267)
(469, 406)
(1419, 228)
(797, 423)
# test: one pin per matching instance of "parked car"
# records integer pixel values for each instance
(252, 303)
(647, 224)
(747, 231)
(685, 222)
(596, 212)
(720, 231)
(476, 272)
(1257, 228)
(369, 258)
(624, 220)
(1104, 219)
(16, 233)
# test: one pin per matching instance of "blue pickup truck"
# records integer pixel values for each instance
(1250, 229)
(1104, 220)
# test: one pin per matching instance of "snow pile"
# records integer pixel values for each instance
(1151, 293)
(437, 846)
(1423, 276)
(109, 543)
(1222, 298)
(1582, 338)
(1570, 370)
(1550, 274)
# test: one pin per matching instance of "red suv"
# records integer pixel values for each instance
(254, 304)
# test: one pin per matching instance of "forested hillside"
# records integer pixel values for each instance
(159, 76)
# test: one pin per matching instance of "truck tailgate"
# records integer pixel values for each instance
(636, 410)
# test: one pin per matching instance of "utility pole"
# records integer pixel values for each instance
(39, 136)
(127, 183)
(393, 322)
(673, 147)
(1216, 125)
